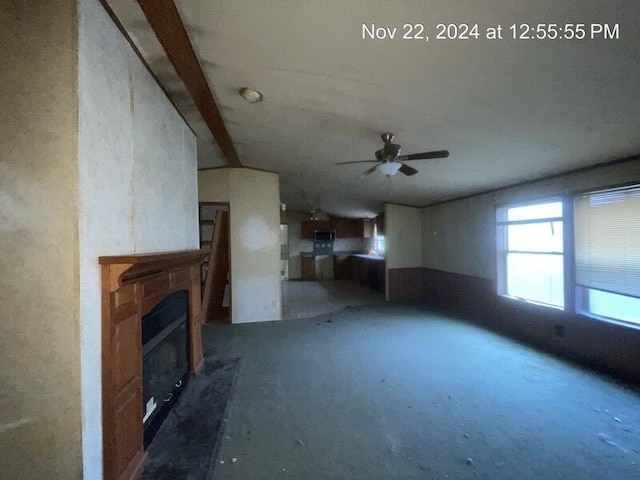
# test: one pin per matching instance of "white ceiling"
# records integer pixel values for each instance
(507, 110)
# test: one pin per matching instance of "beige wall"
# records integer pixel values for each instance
(254, 213)
(40, 413)
(138, 176)
(459, 236)
(403, 237)
(213, 185)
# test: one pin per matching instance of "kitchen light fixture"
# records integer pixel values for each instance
(389, 168)
(250, 95)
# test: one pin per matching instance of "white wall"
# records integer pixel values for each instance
(403, 237)
(138, 192)
(460, 236)
(254, 214)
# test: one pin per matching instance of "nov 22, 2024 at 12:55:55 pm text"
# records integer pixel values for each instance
(514, 31)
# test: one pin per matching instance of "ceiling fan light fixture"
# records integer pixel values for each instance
(250, 95)
(389, 168)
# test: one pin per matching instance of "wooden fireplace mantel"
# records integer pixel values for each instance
(132, 285)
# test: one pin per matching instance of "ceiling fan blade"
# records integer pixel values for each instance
(425, 155)
(407, 170)
(368, 172)
(357, 161)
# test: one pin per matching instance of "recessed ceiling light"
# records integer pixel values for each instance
(250, 95)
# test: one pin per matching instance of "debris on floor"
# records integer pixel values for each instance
(469, 461)
(234, 460)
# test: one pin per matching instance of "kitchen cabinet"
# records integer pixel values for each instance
(369, 271)
(308, 267)
(343, 267)
(308, 228)
(363, 228)
(317, 267)
(352, 228)
(345, 228)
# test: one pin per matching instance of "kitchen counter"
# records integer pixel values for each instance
(359, 266)
(344, 253)
(369, 257)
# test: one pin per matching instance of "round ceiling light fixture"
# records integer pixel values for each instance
(250, 95)
(389, 168)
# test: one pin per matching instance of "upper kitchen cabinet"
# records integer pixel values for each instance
(345, 228)
(364, 228)
(308, 228)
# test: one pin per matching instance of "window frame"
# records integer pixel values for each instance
(502, 251)
(577, 294)
(376, 241)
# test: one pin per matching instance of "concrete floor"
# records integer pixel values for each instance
(397, 392)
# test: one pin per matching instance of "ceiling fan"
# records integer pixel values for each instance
(390, 161)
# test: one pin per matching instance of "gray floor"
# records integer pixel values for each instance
(397, 392)
(308, 299)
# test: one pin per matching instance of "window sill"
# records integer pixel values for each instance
(619, 323)
(532, 302)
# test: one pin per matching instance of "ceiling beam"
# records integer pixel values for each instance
(164, 19)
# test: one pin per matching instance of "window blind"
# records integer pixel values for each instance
(607, 241)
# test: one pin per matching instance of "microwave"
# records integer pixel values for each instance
(324, 235)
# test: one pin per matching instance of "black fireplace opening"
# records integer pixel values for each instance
(165, 359)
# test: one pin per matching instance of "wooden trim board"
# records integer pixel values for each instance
(164, 19)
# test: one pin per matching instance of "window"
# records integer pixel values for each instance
(378, 241)
(530, 253)
(607, 252)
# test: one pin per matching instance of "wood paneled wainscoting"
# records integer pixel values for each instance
(608, 346)
(131, 286)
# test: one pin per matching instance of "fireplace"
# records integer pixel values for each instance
(165, 359)
(151, 344)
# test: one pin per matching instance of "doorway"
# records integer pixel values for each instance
(216, 274)
(284, 251)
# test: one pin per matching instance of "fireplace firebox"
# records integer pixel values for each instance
(165, 359)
